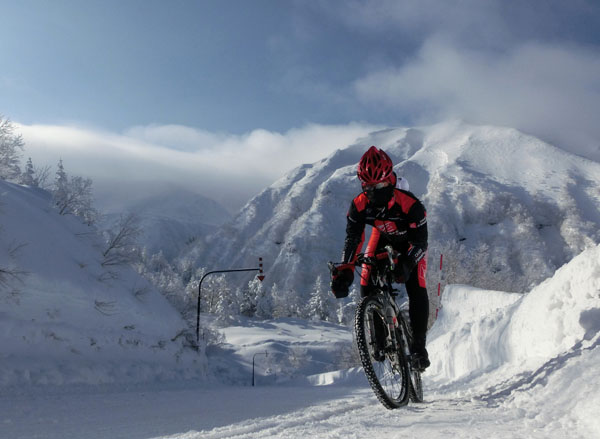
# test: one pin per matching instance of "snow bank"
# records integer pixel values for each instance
(535, 354)
(468, 335)
(559, 313)
(480, 330)
(65, 318)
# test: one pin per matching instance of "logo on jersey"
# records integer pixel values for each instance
(388, 227)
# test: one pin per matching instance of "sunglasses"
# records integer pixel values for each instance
(381, 185)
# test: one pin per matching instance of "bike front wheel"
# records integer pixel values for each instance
(385, 367)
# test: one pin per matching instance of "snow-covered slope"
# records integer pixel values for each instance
(505, 208)
(171, 219)
(535, 354)
(64, 318)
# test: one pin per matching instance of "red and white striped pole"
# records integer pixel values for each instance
(260, 276)
(439, 287)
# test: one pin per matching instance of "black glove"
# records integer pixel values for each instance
(341, 281)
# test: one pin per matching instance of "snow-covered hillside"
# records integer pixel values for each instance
(65, 318)
(171, 219)
(505, 208)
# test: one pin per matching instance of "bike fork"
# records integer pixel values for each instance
(392, 322)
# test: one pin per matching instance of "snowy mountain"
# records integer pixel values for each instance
(505, 208)
(66, 318)
(171, 219)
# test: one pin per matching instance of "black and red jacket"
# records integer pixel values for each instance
(403, 224)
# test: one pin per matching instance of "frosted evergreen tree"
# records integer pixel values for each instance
(28, 176)
(247, 301)
(281, 305)
(286, 303)
(319, 305)
(74, 195)
(61, 183)
(11, 145)
(225, 308)
(263, 299)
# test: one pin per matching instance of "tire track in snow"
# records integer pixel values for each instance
(277, 425)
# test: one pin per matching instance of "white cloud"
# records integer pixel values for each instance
(548, 90)
(228, 168)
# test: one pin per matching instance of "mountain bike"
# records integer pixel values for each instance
(383, 334)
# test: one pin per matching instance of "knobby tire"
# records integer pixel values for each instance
(388, 378)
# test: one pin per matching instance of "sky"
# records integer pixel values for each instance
(210, 94)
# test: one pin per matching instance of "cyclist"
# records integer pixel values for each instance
(398, 219)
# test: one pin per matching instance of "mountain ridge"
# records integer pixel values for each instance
(481, 185)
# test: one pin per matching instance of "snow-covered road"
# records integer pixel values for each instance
(262, 412)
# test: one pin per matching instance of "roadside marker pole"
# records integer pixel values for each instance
(437, 310)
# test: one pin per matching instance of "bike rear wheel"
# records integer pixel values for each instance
(385, 367)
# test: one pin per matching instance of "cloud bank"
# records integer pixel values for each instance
(552, 91)
(225, 167)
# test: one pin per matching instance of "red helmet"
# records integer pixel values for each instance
(375, 166)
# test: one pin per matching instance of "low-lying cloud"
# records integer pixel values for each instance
(225, 167)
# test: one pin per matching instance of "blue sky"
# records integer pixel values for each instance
(197, 74)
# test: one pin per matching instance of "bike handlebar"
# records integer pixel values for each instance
(390, 254)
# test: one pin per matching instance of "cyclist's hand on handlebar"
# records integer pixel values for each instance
(342, 277)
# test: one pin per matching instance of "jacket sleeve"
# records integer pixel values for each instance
(355, 234)
(417, 232)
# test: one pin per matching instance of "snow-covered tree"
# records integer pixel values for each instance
(213, 287)
(225, 309)
(28, 176)
(247, 301)
(121, 242)
(319, 305)
(11, 145)
(278, 302)
(61, 181)
(263, 300)
(74, 195)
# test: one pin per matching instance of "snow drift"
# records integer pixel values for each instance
(537, 352)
